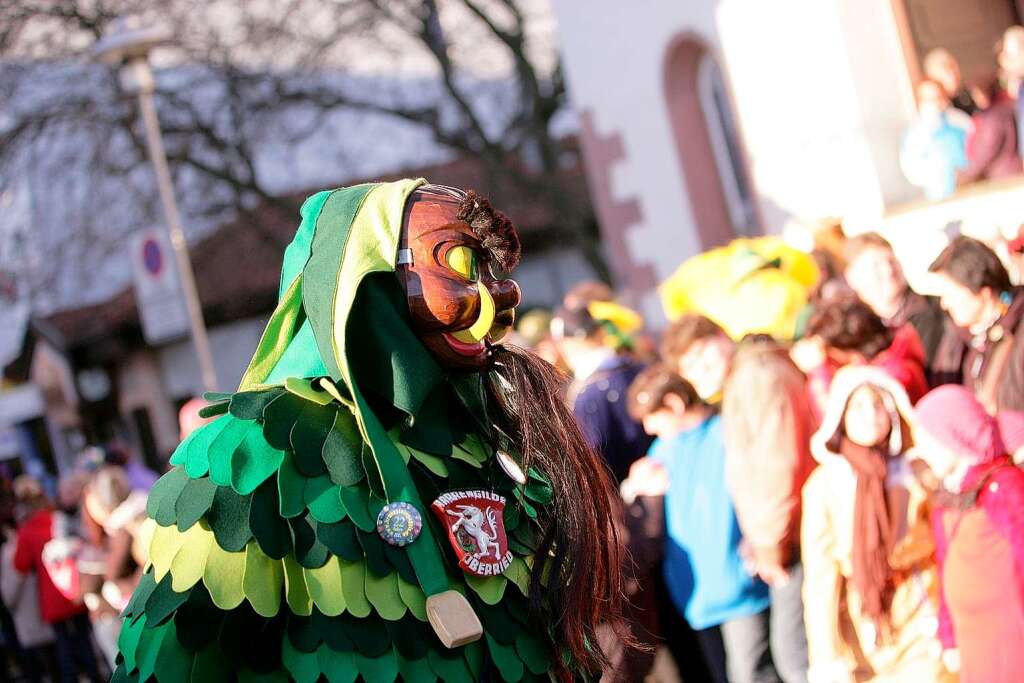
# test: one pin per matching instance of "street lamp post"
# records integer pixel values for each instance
(128, 46)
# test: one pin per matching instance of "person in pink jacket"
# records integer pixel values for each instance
(979, 534)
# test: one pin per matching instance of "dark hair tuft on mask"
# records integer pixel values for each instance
(494, 229)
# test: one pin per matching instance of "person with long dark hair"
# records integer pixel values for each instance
(390, 492)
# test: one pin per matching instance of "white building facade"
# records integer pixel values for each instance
(710, 119)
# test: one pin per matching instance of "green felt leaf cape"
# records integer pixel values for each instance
(264, 559)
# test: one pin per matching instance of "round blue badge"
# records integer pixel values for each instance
(399, 523)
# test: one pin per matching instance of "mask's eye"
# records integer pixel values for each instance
(462, 260)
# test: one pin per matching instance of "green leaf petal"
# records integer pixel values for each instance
(304, 388)
(417, 670)
(224, 446)
(173, 663)
(339, 667)
(449, 670)
(353, 585)
(263, 580)
(333, 631)
(162, 602)
(327, 508)
(414, 599)
(474, 654)
(489, 588)
(197, 622)
(498, 623)
(342, 451)
(431, 462)
(193, 502)
(268, 528)
(164, 495)
(370, 636)
(279, 417)
(148, 649)
(128, 641)
(197, 457)
(539, 491)
(411, 638)
(506, 660)
(290, 488)
(213, 410)
(228, 517)
(324, 586)
(382, 592)
(341, 540)
(381, 669)
(308, 436)
(252, 462)
(296, 593)
(533, 651)
(249, 405)
(310, 552)
(303, 666)
(519, 574)
(210, 665)
(356, 502)
(373, 548)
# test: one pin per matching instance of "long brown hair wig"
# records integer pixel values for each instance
(581, 548)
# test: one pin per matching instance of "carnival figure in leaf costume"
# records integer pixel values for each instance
(390, 495)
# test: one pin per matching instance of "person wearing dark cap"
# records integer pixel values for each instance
(597, 351)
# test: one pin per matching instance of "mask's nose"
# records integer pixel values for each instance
(506, 293)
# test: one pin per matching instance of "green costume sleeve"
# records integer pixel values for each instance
(265, 561)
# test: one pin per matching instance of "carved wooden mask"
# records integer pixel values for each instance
(457, 305)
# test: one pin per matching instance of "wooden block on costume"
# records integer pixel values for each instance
(453, 619)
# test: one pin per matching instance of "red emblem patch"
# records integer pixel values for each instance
(476, 529)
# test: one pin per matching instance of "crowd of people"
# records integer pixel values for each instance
(839, 506)
(72, 552)
(967, 129)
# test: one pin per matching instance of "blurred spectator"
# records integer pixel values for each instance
(140, 477)
(979, 536)
(975, 291)
(1015, 250)
(876, 277)
(120, 512)
(767, 424)
(46, 547)
(870, 585)
(584, 292)
(596, 352)
(992, 144)
(934, 145)
(850, 333)
(34, 637)
(1011, 64)
(703, 567)
(534, 332)
(941, 66)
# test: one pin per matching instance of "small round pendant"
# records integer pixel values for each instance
(511, 467)
(399, 523)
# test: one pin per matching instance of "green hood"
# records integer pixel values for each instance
(348, 238)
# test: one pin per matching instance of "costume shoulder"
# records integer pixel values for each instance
(268, 559)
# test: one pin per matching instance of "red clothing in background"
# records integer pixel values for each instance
(981, 553)
(33, 534)
(903, 361)
(992, 146)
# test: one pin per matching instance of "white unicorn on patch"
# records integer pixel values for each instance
(471, 519)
